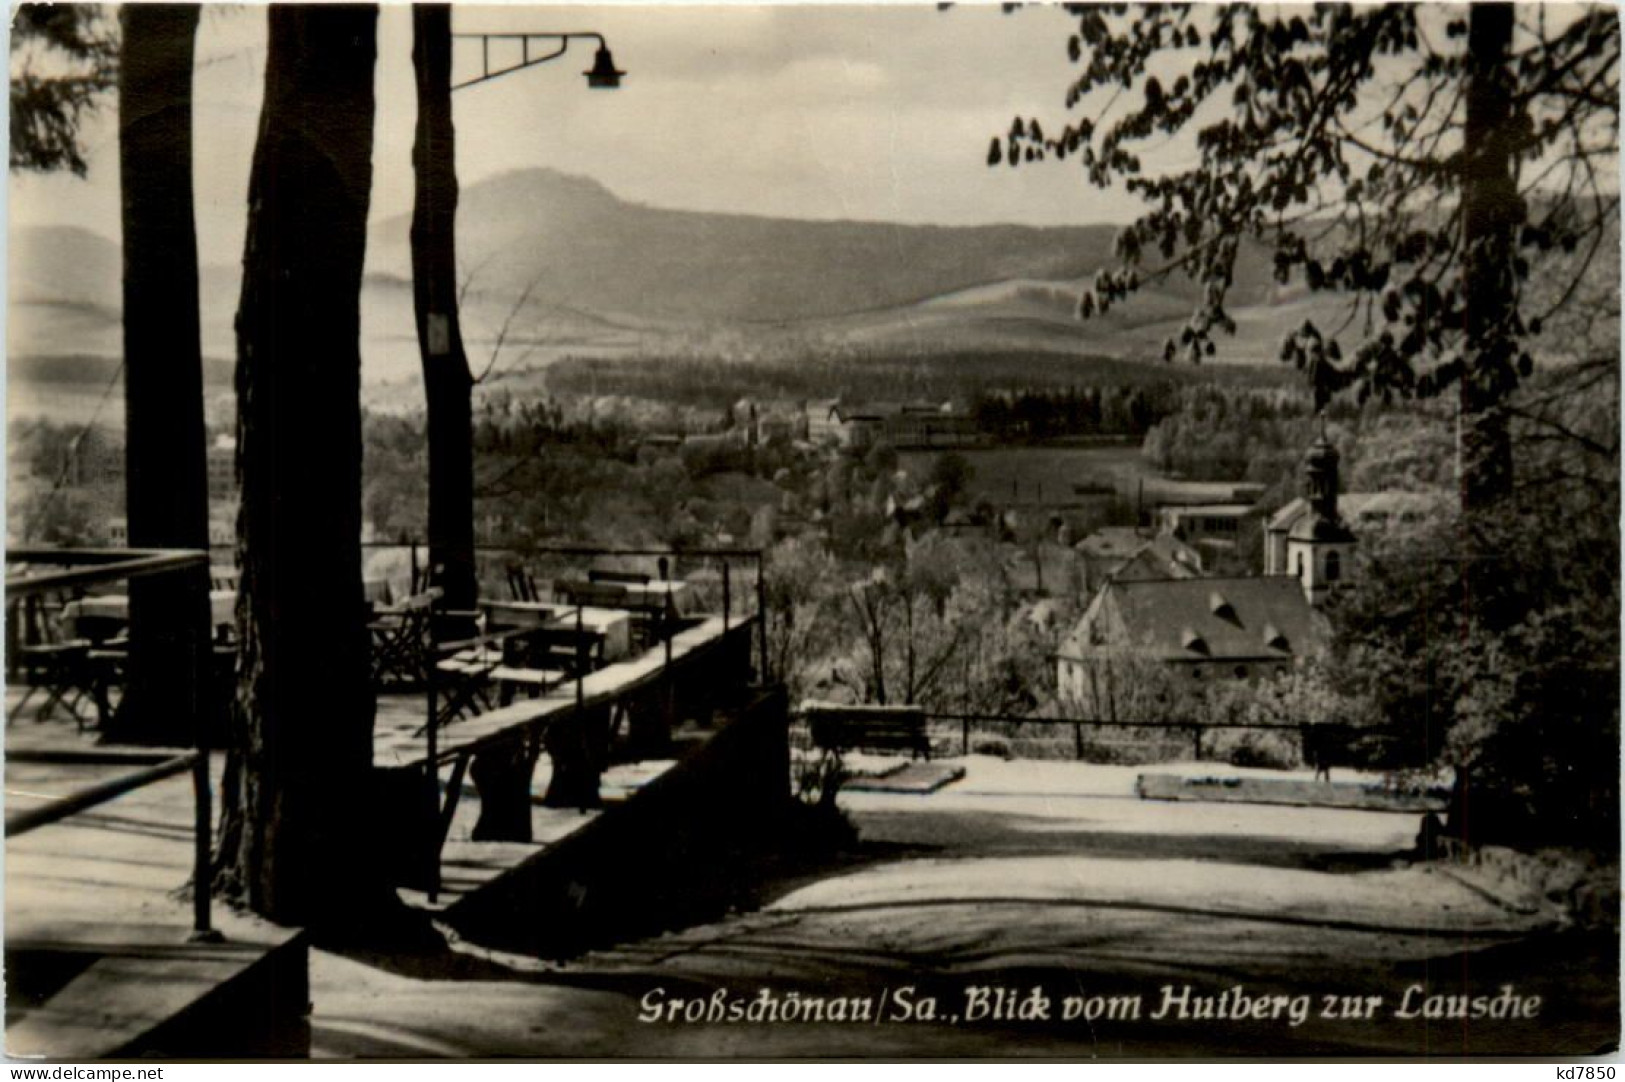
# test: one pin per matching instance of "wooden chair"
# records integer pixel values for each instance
(53, 661)
(522, 585)
(402, 645)
(540, 659)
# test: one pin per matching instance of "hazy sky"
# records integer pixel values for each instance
(817, 112)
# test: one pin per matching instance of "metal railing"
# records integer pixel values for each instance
(1196, 730)
(75, 569)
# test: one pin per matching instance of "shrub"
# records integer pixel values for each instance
(996, 746)
(1268, 748)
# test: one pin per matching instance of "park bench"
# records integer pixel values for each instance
(839, 728)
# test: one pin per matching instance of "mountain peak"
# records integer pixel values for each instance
(521, 185)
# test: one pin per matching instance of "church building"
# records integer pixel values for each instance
(1308, 538)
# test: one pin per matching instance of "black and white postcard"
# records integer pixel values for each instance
(911, 531)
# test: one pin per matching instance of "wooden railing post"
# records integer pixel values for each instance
(432, 738)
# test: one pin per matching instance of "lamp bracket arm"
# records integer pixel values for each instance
(526, 60)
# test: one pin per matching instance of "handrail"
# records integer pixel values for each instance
(558, 549)
(88, 567)
(20, 823)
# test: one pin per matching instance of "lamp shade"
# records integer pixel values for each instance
(603, 75)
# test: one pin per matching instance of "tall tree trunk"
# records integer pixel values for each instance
(448, 386)
(297, 845)
(1491, 213)
(166, 475)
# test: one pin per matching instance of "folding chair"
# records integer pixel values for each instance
(402, 649)
(52, 661)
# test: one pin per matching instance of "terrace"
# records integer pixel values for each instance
(635, 684)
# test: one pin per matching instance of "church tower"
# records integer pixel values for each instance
(1320, 547)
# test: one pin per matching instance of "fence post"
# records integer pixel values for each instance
(202, 794)
(1196, 734)
(964, 735)
(1077, 740)
(581, 665)
(671, 691)
(727, 596)
(761, 612)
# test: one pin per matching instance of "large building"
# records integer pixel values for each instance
(1202, 629)
(1313, 537)
(1211, 525)
(904, 425)
(1319, 545)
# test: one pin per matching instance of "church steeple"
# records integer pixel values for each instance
(1320, 478)
(1320, 547)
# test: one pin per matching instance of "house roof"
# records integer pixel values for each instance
(1154, 561)
(1197, 620)
(1112, 541)
(1124, 552)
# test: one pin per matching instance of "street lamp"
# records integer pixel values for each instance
(603, 76)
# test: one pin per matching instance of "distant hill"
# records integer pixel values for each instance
(98, 370)
(613, 278)
(587, 249)
(66, 297)
(64, 265)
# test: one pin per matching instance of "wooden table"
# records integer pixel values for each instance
(614, 626)
(222, 607)
(651, 596)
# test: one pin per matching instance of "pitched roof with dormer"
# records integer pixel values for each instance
(1236, 619)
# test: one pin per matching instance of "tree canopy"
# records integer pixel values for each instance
(1426, 164)
(64, 57)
